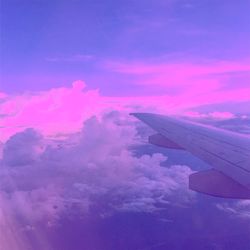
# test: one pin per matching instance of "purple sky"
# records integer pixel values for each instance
(47, 44)
(72, 160)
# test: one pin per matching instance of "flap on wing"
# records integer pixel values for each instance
(215, 183)
(162, 141)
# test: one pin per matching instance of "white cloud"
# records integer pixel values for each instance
(91, 168)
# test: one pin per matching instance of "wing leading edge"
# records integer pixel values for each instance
(227, 152)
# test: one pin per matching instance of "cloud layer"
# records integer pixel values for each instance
(188, 83)
(60, 111)
(95, 167)
(55, 162)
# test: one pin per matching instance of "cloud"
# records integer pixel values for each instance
(189, 84)
(212, 115)
(93, 168)
(22, 148)
(179, 73)
(61, 111)
(239, 209)
(57, 159)
(56, 111)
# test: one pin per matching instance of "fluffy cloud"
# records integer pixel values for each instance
(60, 111)
(22, 148)
(56, 111)
(70, 161)
(43, 179)
(82, 161)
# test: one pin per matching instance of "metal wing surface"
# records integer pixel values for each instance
(227, 152)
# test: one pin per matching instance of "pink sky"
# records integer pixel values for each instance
(63, 110)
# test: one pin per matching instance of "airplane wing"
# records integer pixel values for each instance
(227, 152)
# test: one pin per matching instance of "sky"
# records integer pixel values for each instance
(124, 48)
(74, 162)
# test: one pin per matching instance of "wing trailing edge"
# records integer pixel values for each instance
(215, 183)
